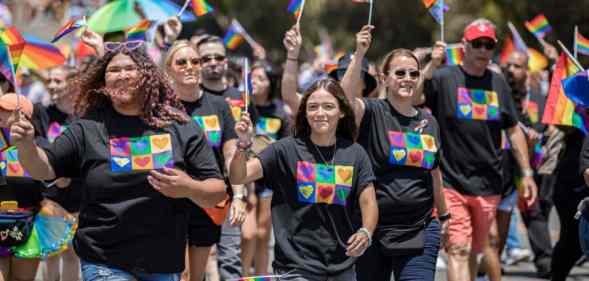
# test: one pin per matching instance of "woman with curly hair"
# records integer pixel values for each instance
(138, 155)
(323, 207)
(213, 115)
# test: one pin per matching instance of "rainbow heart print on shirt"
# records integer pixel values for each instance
(269, 127)
(54, 131)
(141, 153)
(319, 183)
(477, 104)
(412, 149)
(212, 128)
(9, 164)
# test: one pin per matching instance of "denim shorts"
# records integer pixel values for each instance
(101, 272)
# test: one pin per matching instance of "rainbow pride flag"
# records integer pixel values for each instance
(560, 110)
(138, 31)
(39, 54)
(16, 44)
(582, 44)
(508, 48)
(295, 7)
(538, 26)
(201, 7)
(428, 3)
(258, 278)
(71, 25)
(6, 66)
(234, 36)
(437, 9)
(536, 60)
(454, 56)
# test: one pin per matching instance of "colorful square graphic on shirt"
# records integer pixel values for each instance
(477, 104)
(236, 105)
(269, 127)
(141, 153)
(9, 164)
(412, 149)
(533, 111)
(320, 183)
(55, 130)
(212, 127)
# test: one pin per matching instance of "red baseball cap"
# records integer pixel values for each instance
(480, 30)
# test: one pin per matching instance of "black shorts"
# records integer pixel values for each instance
(202, 231)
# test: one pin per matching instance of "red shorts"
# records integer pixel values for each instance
(472, 217)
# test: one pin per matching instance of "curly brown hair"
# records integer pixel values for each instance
(346, 126)
(161, 106)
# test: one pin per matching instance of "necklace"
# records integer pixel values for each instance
(321, 154)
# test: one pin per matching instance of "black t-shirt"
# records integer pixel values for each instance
(471, 112)
(235, 100)
(567, 169)
(315, 206)
(213, 116)
(403, 151)
(51, 123)
(125, 222)
(272, 121)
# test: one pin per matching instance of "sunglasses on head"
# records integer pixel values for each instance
(477, 44)
(402, 73)
(118, 46)
(210, 58)
(184, 62)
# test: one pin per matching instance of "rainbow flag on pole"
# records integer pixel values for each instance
(138, 31)
(454, 55)
(295, 7)
(6, 66)
(71, 25)
(201, 7)
(538, 26)
(561, 110)
(234, 36)
(16, 44)
(582, 44)
(436, 8)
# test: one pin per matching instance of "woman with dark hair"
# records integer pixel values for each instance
(322, 185)
(213, 116)
(403, 143)
(138, 155)
(271, 125)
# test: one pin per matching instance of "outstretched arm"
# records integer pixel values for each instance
(292, 42)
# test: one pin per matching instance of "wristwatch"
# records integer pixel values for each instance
(444, 217)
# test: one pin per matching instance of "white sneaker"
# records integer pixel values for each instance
(517, 255)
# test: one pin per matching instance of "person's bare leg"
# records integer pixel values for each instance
(198, 262)
(5, 268)
(248, 241)
(24, 269)
(490, 263)
(52, 268)
(458, 263)
(186, 273)
(212, 270)
(261, 258)
(71, 265)
(503, 221)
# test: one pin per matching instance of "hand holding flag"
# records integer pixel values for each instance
(293, 42)
(364, 39)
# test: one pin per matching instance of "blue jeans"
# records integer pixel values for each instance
(584, 235)
(100, 272)
(513, 239)
(375, 266)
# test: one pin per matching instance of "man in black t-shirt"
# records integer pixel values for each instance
(213, 57)
(472, 105)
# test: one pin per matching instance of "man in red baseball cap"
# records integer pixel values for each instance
(473, 106)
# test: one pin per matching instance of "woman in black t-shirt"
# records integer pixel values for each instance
(271, 125)
(213, 116)
(322, 184)
(403, 143)
(138, 155)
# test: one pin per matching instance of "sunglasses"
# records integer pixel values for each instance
(127, 46)
(185, 62)
(477, 44)
(207, 59)
(402, 73)
(514, 65)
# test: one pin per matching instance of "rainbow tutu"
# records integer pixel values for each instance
(52, 233)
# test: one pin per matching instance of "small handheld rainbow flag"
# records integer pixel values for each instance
(16, 45)
(71, 25)
(39, 54)
(138, 31)
(247, 83)
(559, 109)
(6, 66)
(538, 26)
(454, 55)
(437, 9)
(201, 7)
(295, 7)
(582, 44)
(234, 36)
